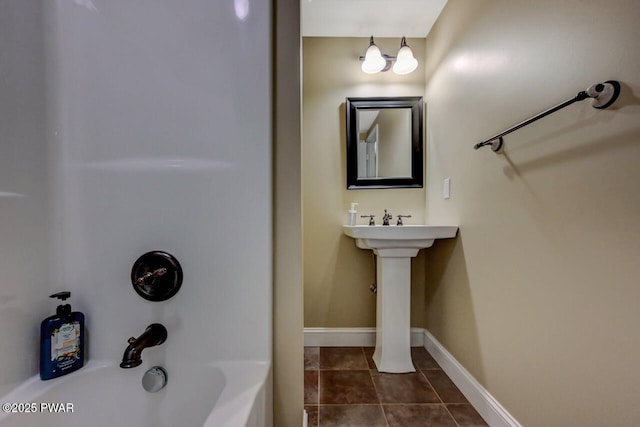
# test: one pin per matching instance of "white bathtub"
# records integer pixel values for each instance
(220, 394)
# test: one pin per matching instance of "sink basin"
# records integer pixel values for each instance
(394, 246)
(406, 238)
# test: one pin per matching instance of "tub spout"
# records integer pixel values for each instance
(155, 334)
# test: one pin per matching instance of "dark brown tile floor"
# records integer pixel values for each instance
(342, 387)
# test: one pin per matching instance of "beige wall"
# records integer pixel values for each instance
(538, 297)
(288, 361)
(337, 275)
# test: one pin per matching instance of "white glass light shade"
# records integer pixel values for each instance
(405, 62)
(373, 60)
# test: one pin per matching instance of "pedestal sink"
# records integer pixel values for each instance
(394, 246)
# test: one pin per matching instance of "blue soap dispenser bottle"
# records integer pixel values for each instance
(61, 341)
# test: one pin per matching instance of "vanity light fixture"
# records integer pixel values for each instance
(405, 62)
(375, 61)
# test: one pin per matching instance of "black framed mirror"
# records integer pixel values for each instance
(384, 142)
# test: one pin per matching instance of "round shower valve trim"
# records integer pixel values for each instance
(156, 276)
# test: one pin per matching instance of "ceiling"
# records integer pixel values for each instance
(364, 18)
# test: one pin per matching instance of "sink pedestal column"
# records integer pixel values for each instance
(393, 307)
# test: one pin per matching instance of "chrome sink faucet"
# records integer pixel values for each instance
(371, 221)
(400, 218)
(385, 219)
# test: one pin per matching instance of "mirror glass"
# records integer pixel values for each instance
(384, 142)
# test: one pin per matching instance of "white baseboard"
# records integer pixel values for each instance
(351, 337)
(486, 405)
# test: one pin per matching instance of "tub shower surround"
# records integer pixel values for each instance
(151, 141)
(217, 394)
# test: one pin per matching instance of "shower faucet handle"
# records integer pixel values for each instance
(400, 218)
(142, 280)
(371, 221)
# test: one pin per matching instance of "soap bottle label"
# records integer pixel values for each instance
(65, 344)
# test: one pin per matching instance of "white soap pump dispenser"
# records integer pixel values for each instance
(351, 217)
